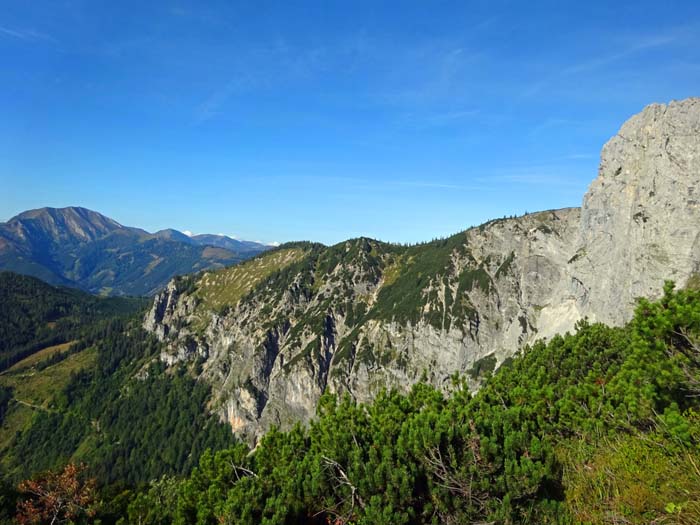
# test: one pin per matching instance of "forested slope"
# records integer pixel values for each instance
(101, 398)
(596, 427)
(35, 315)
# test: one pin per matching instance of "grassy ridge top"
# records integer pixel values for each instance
(429, 282)
(220, 288)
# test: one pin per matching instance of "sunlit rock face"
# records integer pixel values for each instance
(640, 218)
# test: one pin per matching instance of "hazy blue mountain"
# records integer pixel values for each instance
(82, 248)
(173, 235)
(222, 241)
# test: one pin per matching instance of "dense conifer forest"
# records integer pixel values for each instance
(35, 315)
(599, 426)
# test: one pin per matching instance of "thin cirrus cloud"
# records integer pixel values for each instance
(27, 35)
(453, 115)
(442, 118)
(637, 46)
(536, 175)
(260, 67)
(566, 124)
(366, 184)
(438, 185)
(443, 70)
(580, 156)
(214, 103)
(402, 76)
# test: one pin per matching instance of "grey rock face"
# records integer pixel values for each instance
(640, 221)
(336, 319)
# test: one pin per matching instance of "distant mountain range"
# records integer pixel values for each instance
(82, 248)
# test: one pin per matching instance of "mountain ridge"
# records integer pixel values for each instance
(350, 318)
(75, 246)
(361, 316)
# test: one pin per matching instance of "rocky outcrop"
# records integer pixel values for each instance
(362, 316)
(640, 220)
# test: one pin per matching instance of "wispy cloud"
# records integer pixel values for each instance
(436, 119)
(455, 115)
(632, 47)
(179, 11)
(554, 122)
(450, 117)
(261, 67)
(211, 107)
(580, 156)
(367, 184)
(429, 74)
(435, 185)
(27, 35)
(429, 78)
(642, 44)
(548, 174)
(536, 179)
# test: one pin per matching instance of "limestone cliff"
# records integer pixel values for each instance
(272, 334)
(640, 220)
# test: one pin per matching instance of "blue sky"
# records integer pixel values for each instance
(280, 121)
